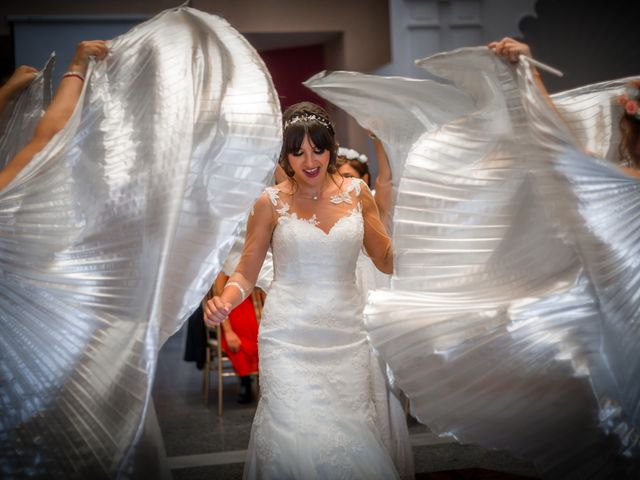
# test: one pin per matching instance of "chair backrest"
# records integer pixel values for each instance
(258, 296)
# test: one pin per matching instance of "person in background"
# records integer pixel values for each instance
(629, 147)
(19, 80)
(240, 340)
(60, 109)
(352, 164)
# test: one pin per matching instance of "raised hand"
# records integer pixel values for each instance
(86, 49)
(510, 49)
(21, 78)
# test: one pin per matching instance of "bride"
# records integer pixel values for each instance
(317, 416)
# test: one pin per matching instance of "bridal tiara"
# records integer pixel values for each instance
(305, 117)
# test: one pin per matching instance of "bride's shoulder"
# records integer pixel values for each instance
(267, 201)
(272, 198)
(355, 186)
(360, 193)
(272, 193)
(264, 209)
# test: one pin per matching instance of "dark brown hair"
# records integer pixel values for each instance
(320, 131)
(630, 129)
(357, 165)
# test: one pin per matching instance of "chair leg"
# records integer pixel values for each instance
(206, 371)
(220, 377)
(220, 395)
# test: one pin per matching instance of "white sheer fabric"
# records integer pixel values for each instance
(512, 315)
(112, 235)
(317, 416)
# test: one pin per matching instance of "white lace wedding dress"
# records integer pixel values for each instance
(316, 417)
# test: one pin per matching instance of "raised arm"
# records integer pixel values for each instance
(60, 109)
(384, 187)
(21, 78)
(377, 242)
(510, 50)
(260, 226)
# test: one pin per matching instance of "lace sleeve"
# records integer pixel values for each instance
(260, 225)
(377, 242)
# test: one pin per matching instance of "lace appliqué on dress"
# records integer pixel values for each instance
(283, 211)
(272, 193)
(345, 196)
(316, 415)
(283, 208)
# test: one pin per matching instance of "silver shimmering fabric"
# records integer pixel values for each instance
(414, 107)
(512, 319)
(115, 231)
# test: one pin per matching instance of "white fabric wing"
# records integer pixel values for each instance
(512, 315)
(399, 119)
(115, 231)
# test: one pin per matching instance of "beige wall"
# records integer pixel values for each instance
(360, 40)
(364, 24)
(363, 43)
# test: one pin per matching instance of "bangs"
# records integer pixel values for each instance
(318, 134)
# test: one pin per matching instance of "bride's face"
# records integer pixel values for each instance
(309, 163)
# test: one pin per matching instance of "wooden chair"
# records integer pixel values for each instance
(215, 358)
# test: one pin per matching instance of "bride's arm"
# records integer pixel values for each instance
(260, 226)
(377, 242)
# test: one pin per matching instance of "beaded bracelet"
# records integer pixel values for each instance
(243, 292)
(71, 73)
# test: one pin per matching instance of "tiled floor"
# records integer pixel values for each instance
(201, 445)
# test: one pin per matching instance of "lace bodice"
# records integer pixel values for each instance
(306, 251)
(312, 240)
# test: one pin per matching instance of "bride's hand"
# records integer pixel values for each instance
(215, 311)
